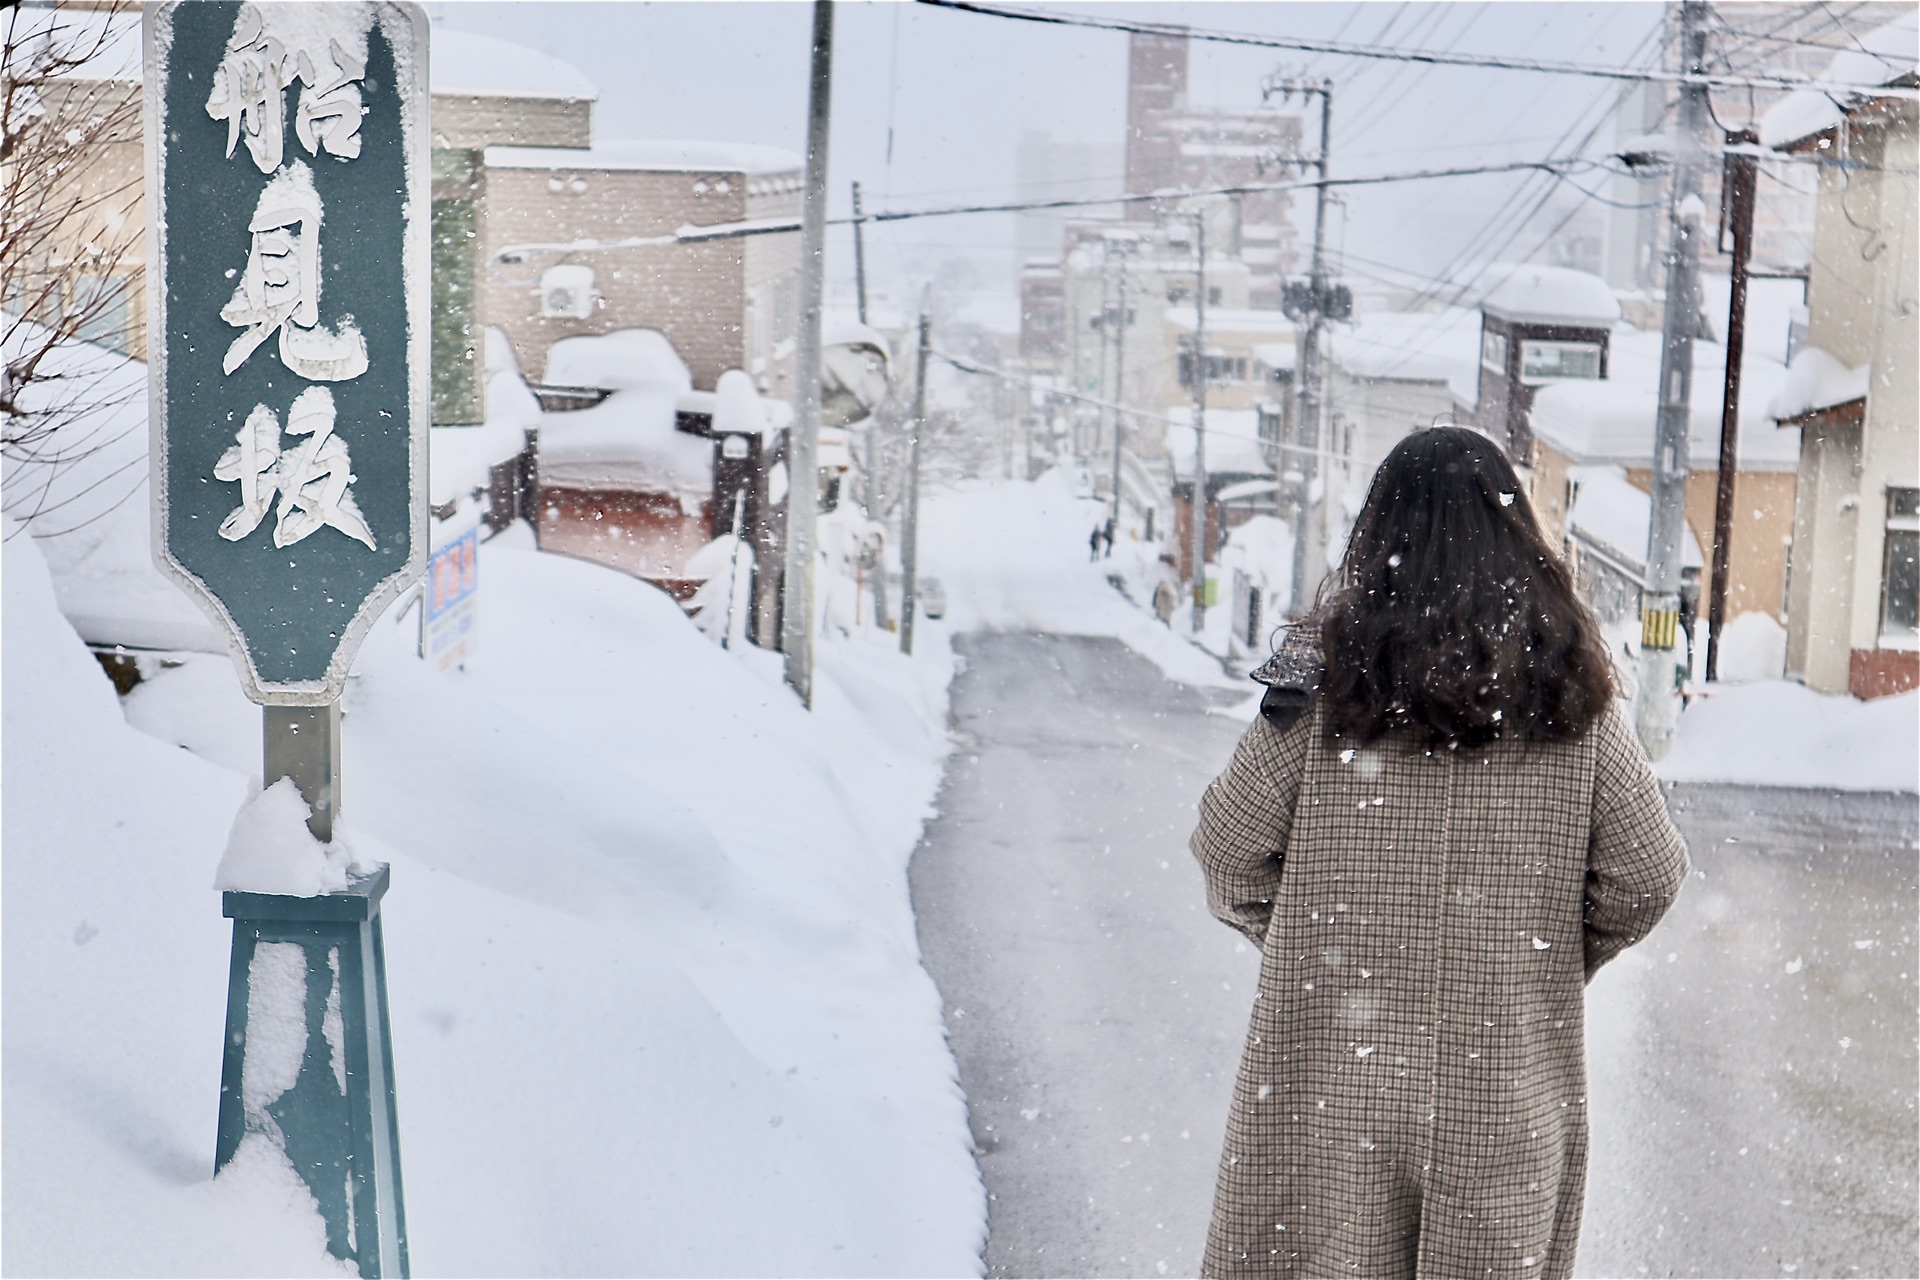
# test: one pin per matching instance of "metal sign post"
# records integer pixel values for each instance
(289, 228)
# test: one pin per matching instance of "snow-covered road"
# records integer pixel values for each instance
(1094, 1006)
(1751, 1065)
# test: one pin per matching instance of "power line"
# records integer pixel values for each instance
(696, 234)
(1390, 53)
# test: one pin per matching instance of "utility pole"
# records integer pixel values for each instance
(1657, 700)
(1119, 385)
(873, 425)
(1309, 532)
(1736, 192)
(803, 468)
(1199, 503)
(910, 518)
(1105, 325)
(859, 259)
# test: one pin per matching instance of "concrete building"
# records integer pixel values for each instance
(1174, 145)
(1851, 391)
(1388, 373)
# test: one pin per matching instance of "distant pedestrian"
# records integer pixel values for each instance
(1436, 831)
(1093, 544)
(1107, 535)
(1165, 601)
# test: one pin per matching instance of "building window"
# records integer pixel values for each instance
(1493, 350)
(1900, 581)
(1559, 360)
(1220, 369)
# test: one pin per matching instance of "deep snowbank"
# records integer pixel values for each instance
(1782, 734)
(656, 994)
(115, 973)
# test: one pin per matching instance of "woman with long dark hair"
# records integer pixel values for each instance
(1436, 831)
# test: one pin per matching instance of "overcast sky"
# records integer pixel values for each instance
(956, 90)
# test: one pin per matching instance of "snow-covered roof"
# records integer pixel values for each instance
(736, 406)
(481, 65)
(1816, 380)
(1233, 443)
(1884, 56)
(650, 154)
(1611, 421)
(1277, 355)
(94, 520)
(1233, 320)
(1610, 512)
(629, 440)
(1532, 294)
(623, 358)
(1414, 346)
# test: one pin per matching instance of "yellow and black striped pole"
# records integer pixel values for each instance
(1660, 622)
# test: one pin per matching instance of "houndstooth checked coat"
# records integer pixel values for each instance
(1412, 1096)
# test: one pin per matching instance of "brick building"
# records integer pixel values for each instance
(727, 304)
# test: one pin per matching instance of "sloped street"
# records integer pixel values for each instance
(1751, 1065)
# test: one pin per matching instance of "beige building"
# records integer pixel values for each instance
(76, 227)
(1851, 390)
(1609, 423)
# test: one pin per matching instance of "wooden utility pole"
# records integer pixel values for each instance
(803, 468)
(1199, 504)
(910, 518)
(1656, 704)
(1737, 192)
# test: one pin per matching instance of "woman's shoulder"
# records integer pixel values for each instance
(1292, 676)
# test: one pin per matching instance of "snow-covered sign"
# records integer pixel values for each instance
(288, 232)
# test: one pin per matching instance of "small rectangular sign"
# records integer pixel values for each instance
(288, 242)
(451, 604)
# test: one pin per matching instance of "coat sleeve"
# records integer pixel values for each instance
(1636, 860)
(1245, 816)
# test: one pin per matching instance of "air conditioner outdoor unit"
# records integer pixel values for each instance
(566, 292)
(571, 303)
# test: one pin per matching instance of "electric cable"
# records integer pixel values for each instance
(1387, 53)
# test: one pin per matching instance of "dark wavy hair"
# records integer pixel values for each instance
(1451, 618)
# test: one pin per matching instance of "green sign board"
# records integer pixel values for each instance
(289, 222)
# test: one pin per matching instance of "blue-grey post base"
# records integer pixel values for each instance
(313, 972)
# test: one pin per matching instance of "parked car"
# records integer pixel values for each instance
(932, 598)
